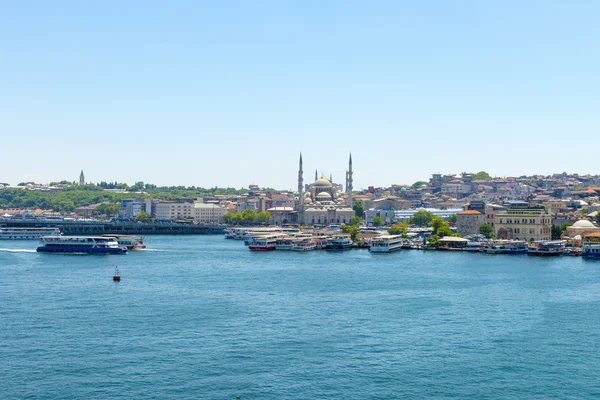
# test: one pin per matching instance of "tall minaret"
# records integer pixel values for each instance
(316, 175)
(331, 178)
(300, 192)
(81, 178)
(349, 186)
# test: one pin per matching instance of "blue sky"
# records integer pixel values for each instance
(228, 93)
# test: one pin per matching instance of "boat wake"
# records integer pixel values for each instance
(18, 250)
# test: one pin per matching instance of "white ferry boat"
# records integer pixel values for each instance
(546, 248)
(80, 245)
(386, 243)
(129, 241)
(590, 247)
(285, 243)
(27, 233)
(304, 245)
(339, 243)
(505, 247)
(264, 243)
(515, 247)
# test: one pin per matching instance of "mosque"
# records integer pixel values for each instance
(322, 202)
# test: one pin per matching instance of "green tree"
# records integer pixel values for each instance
(444, 230)
(263, 217)
(482, 176)
(249, 216)
(352, 230)
(555, 232)
(436, 223)
(359, 208)
(355, 220)
(400, 228)
(228, 217)
(142, 217)
(421, 218)
(452, 218)
(377, 221)
(487, 230)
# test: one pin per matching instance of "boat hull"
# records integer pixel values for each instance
(262, 248)
(73, 250)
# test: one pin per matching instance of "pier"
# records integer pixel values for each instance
(100, 228)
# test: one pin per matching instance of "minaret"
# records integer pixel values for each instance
(300, 192)
(349, 186)
(316, 175)
(331, 178)
(81, 178)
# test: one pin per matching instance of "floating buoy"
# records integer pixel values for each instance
(116, 276)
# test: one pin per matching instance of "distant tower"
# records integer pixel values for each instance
(349, 182)
(331, 178)
(81, 178)
(300, 191)
(316, 176)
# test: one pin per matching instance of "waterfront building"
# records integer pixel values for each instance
(323, 203)
(171, 210)
(207, 213)
(579, 229)
(469, 221)
(387, 215)
(130, 208)
(523, 223)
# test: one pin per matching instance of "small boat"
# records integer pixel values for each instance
(386, 244)
(116, 276)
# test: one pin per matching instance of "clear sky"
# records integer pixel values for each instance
(211, 93)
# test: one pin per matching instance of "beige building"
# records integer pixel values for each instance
(170, 210)
(533, 223)
(468, 222)
(208, 213)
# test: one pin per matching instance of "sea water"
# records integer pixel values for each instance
(201, 317)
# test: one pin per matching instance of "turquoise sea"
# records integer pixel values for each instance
(201, 317)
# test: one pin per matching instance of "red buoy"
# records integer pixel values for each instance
(116, 276)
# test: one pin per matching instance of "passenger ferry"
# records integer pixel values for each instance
(546, 248)
(304, 245)
(264, 243)
(129, 241)
(28, 233)
(386, 243)
(339, 243)
(590, 247)
(505, 247)
(285, 243)
(80, 245)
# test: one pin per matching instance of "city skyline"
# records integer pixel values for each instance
(212, 95)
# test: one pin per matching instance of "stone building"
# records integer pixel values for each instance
(468, 222)
(531, 223)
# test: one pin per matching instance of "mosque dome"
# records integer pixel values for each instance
(322, 182)
(324, 195)
(583, 223)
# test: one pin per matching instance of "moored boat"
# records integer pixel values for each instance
(80, 245)
(264, 243)
(546, 248)
(590, 247)
(386, 243)
(304, 245)
(339, 243)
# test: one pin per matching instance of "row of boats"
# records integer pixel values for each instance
(296, 240)
(52, 241)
